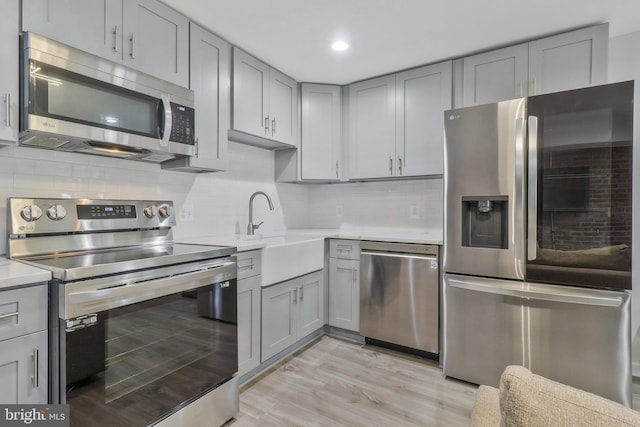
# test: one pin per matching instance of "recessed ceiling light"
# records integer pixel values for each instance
(339, 46)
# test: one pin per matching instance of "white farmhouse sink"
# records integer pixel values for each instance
(285, 257)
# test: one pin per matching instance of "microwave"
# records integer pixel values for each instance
(77, 102)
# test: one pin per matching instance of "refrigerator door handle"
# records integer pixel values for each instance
(519, 194)
(536, 295)
(532, 204)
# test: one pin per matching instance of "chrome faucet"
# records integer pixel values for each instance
(251, 228)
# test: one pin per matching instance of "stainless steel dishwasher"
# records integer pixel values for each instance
(399, 295)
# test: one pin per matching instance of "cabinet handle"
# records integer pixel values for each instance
(34, 380)
(391, 166)
(266, 125)
(301, 293)
(273, 126)
(8, 315)
(116, 36)
(133, 47)
(245, 267)
(400, 165)
(337, 173)
(295, 295)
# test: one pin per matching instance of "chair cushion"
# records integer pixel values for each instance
(486, 409)
(527, 399)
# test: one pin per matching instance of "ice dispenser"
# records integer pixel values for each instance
(484, 222)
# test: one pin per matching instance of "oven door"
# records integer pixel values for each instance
(134, 364)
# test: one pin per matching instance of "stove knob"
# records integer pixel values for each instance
(31, 213)
(150, 211)
(165, 211)
(56, 212)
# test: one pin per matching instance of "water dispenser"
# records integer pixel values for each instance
(484, 222)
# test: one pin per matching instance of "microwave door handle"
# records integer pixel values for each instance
(532, 203)
(167, 118)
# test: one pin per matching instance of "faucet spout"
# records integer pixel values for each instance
(251, 228)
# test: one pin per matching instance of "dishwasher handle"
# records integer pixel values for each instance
(399, 255)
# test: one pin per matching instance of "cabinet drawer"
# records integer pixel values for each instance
(344, 249)
(249, 264)
(23, 311)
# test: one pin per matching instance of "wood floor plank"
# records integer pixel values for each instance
(335, 382)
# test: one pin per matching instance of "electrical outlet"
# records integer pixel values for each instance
(339, 211)
(186, 213)
(413, 212)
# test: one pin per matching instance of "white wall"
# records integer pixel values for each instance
(624, 64)
(218, 202)
(412, 204)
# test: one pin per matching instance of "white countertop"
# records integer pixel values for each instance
(245, 243)
(14, 274)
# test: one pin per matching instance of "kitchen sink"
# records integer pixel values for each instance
(287, 256)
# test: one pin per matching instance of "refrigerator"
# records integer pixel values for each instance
(537, 243)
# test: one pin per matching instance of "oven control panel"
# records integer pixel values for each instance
(38, 216)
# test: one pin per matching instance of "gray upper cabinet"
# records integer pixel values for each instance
(265, 104)
(372, 121)
(9, 30)
(321, 130)
(143, 34)
(94, 26)
(395, 123)
(562, 62)
(496, 75)
(569, 61)
(422, 96)
(209, 77)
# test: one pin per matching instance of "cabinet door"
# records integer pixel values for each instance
(23, 369)
(248, 324)
(94, 26)
(320, 129)
(278, 318)
(9, 30)
(250, 94)
(283, 108)
(311, 304)
(495, 76)
(156, 40)
(372, 121)
(344, 294)
(569, 61)
(209, 80)
(422, 96)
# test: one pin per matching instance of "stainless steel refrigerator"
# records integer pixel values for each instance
(537, 248)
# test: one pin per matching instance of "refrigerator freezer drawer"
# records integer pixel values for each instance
(580, 337)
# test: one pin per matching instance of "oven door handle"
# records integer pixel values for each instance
(96, 300)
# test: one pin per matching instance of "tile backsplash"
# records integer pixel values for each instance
(218, 203)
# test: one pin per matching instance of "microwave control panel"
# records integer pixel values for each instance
(182, 124)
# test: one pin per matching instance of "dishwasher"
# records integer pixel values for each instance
(399, 296)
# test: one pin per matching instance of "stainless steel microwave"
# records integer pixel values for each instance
(74, 101)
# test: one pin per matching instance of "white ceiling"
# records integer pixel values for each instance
(294, 36)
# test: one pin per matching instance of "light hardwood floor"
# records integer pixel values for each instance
(334, 382)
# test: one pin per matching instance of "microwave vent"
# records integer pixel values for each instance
(44, 141)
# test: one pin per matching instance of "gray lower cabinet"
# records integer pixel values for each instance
(249, 299)
(344, 284)
(562, 62)
(143, 34)
(291, 310)
(9, 94)
(24, 345)
(248, 324)
(210, 81)
(344, 293)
